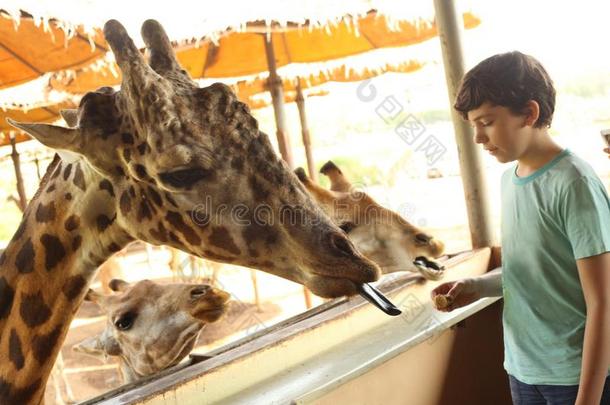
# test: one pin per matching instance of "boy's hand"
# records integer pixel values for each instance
(455, 294)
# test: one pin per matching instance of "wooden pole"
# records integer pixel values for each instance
(277, 96)
(311, 167)
(17, 165)
(449, 23)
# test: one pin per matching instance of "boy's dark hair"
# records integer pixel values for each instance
(510, 80)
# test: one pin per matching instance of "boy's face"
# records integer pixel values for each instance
(502, 133)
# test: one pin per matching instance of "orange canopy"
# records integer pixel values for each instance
(28, 50)
(243, 53)
(37, 114)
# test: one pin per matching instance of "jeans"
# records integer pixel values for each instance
(526, 394)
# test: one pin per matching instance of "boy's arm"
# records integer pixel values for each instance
(594, 275)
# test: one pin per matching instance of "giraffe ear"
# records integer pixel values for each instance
(300, 172)
(70, 116)
(338, 182)
(51, 135)
(118, 285)
(103, 344)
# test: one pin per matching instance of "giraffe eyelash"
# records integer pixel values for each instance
(185, 177)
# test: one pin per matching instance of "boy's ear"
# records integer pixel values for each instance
(103, 344)
(532, 111)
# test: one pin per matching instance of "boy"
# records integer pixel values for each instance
(555, 274)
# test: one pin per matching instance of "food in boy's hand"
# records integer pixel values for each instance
(442, 301)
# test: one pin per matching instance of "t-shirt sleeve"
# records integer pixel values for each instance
(586, 213)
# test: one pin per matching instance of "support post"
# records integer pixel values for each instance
(311, 167)
(449, 24)
(17, 165)
(277, 96)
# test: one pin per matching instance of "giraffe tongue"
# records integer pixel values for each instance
(375, 297)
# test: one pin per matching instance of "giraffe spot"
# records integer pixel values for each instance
(106, 185)
(155, 196)
(142, 148)
(113, 247)
(220, 258)
(221, 238)
(237, 163)
(173, 238)
(175, 220)
(10, 395)
(258, 232)
(267, 264)
(259, 192)
(132, 192)
(33, 309)
(72, 223)
(7, 294)
(125, 203)
(67, 171)
(45, 213)
(119, 171)
(43, 345)
(79, 178)
(76, 242)
(54, 250)
(68, 196)
(2, 258)
(144, 211)
(171, 200)
(57, 171)
(51, 188)
(141, 172)
(159, 234)
(127, 138)
(73, 287)
(127, 155)
(103, 222)
(15, 352)
(25, 257)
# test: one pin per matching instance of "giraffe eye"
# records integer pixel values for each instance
(125, 321)
(184, 177)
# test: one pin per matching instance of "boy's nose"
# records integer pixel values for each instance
(479, 136)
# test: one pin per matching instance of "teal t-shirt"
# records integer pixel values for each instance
(550, 219)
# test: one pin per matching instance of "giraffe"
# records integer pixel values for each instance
(379, 233)
(152, 326)
(166, 162)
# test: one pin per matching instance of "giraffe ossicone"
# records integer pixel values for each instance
(138, 163)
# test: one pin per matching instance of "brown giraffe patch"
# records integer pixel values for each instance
(106, 185)
(141, 172)
(127, 155)
(72, 223)
(132, 191)
(54, 250)
(2, 258)
(211, 255)
(155, 197)
(144, 211)
(33, 309)
(15, 352)
(11, 395)
(125, 203)
(51, 188)
(79, 178)
(57, 171)
(237, 163)
(142, 148)
(67, 171)
(45, 213)
(175, 220)
(258, 232)
(113, 247)
(43, 345)
(222, 239)
(159, 234)
(68, 196)
(103, 222)
(171, 200)
(25, 258)
(73, 287)
(259, 191)
(7, 294)
(127, 138)
(76, 242)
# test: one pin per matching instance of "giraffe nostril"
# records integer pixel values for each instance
(199, 291)
(423, 238)
(341, 243)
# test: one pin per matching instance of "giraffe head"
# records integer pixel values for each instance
(189, 168)
(151, 326)
(380, 234)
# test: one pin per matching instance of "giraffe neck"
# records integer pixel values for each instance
(67, 231)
